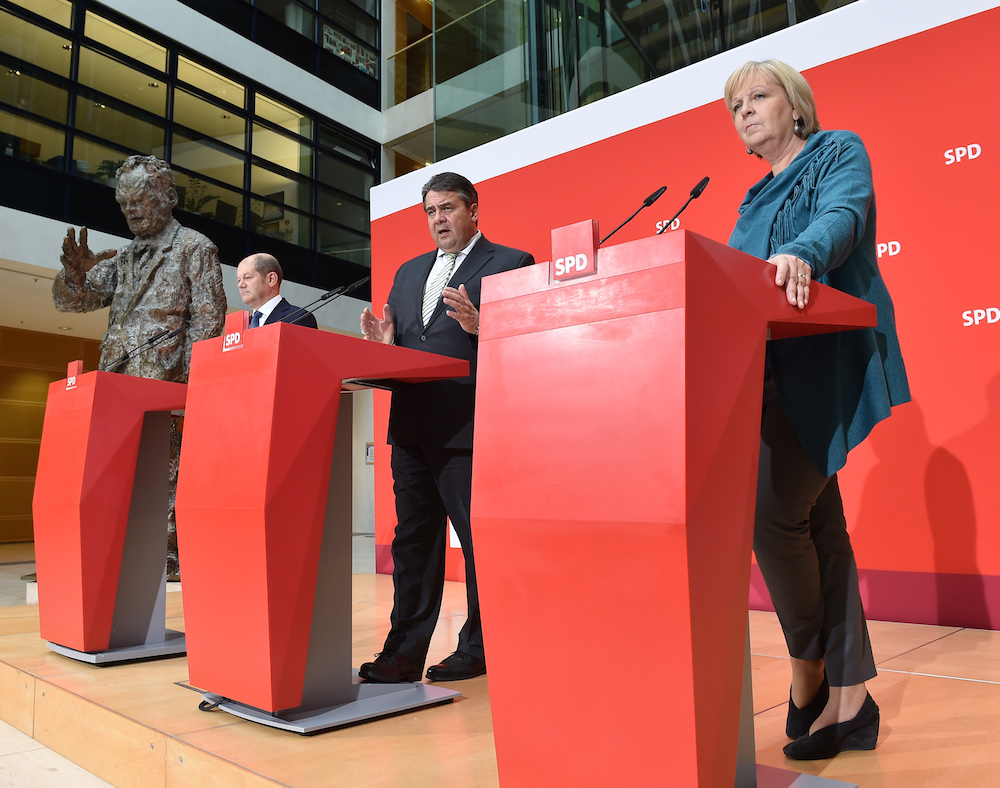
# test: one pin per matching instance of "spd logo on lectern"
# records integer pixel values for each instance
(574, 250)
(572, 265)
(232, 341)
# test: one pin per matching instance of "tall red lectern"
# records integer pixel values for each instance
(617, 431)
(264, 523)
(100, 516)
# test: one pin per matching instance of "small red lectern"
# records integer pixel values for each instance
(617, 431)
(100, 516)
(264, 523)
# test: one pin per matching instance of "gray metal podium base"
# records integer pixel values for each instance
(773, 777)
(173, 645)
(372, 701)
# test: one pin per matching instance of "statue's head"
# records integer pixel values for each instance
(146, 193)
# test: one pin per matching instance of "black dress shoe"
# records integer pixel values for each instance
(390, 667)
(457, 667)
(800, 720)
(860, 733)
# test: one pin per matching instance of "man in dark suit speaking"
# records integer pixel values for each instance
(433, 306)
(258, 278)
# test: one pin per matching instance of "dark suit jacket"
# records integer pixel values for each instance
(438, 414)
(283, 311)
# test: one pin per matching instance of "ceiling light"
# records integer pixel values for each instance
(65, 328)
(154, 84)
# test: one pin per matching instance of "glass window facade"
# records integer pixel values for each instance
(214, 119)
(112, 77)
(24, 86)
(497, 66)
(214, 85)
(337, 40)
(121, 39)
(58, 11)
(253, 171)
(23, 40)
(119, 123)
(208, 158)
(29, 140)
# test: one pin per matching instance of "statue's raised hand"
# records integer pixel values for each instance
(77, 258)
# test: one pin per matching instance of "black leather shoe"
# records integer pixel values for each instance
(390, 667)
(799, 721)
(861, 733)
(457, 667)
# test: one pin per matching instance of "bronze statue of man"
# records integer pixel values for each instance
(167, 279)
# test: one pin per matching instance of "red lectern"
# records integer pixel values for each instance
(266, 548)
(617, 430)
(100, 516)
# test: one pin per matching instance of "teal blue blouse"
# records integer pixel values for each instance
(834, 387)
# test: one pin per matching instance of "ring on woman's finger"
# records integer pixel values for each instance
(802, 275)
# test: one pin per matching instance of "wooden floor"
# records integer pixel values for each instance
(137, 725)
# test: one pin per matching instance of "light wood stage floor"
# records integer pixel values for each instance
(137, 725)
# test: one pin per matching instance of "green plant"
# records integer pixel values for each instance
(196, 195)
(109, 168)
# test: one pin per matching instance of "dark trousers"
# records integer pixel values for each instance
(804, 553)
(430, 485)
(173, 559)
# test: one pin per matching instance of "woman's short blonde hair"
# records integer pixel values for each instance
(799, 93)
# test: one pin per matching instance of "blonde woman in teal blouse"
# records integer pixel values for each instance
(813, 217)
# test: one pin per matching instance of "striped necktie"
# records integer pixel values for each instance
(435, 284)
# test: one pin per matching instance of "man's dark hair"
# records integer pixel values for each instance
(451, 182)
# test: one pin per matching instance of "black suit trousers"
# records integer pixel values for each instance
(431, 485)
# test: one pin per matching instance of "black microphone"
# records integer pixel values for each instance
(308, 309)
(695, 193)
(151, 342)
(645, 204)
(148, 343)
(171, 335)
(699, 188)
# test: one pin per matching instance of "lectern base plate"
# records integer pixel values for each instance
(373, 701)
(772, 777)
(173, 645)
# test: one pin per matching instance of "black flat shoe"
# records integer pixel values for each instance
(458, 667)
(390, 667)
(860, 733)
(800, 720)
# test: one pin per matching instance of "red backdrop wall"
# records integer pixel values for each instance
(923, 508)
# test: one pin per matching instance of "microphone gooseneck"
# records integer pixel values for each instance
(695, 193)
(308, 309)
(151, 342)
(645, 204)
